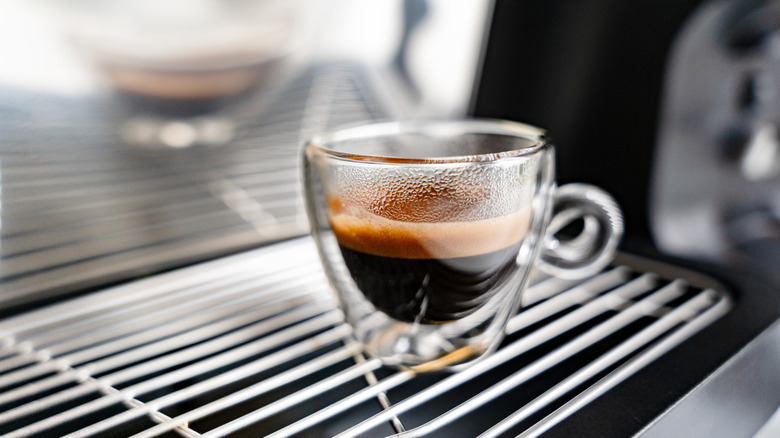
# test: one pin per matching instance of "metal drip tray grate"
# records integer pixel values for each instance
(253, 345)
(81, 209)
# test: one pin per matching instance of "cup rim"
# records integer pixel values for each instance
(432, 127)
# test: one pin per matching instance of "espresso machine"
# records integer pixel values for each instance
(671, 107)
(157, 277)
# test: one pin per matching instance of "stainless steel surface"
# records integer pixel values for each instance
(80, 208)
(771, 428)
(738, 399)
(253, 344)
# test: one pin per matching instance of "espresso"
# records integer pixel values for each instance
(428, 290)
(428, 272)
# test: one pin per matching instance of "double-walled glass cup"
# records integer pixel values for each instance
(429, 230)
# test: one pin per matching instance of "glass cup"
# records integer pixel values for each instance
(429, 230)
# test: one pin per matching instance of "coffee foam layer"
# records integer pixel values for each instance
(369, 233)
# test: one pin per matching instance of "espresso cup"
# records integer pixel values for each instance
(429, 230)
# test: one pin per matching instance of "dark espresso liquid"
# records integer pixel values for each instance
(428, 272)
(428, 290)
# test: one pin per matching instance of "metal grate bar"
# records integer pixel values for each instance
(30, 227)
(188, 189)
(582, 314)
(32, 235)
(86, 273)
(191, 315)
(126, 192)
(354, 372)
(68, 168)
(721, 306)
(147, 312)
(195, 369)
(157, 310)
(125, 314)
(592, 336)
(130, 240)
(333, 335)
(135, 338)
(195, 352)
(20, 254)
(677, 316)
(182, 430)
(344, 404)
(193, 281)
(581, 293)
(262, 387)
(270, 306)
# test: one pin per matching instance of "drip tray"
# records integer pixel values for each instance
(253, 345)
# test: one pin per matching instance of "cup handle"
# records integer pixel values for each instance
(594, 247)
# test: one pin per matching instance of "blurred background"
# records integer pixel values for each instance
(43, 52)
(140, 137)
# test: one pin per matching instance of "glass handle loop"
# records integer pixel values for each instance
(599, 232)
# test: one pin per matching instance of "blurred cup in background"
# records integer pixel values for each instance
(174, 65)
